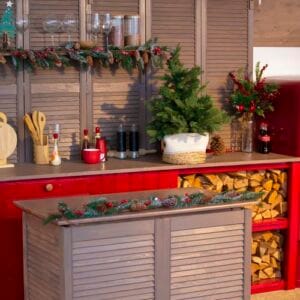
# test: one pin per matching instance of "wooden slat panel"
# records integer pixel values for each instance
(42, 260)
(285, 31)
(201, 258)
(114, 267)
(227, 48)
(116, 94)
(55, 92)
(173, 23)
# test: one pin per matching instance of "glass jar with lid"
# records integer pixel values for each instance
(117, 31)
(132, 30)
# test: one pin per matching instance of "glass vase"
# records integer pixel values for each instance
(236, 135)
(247, 132)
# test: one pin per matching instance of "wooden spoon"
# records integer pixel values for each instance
(41, 124)
(36, 125)
(31, 128)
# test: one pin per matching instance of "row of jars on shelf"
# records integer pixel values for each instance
(123, 30)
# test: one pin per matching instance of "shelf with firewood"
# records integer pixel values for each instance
(270, 219)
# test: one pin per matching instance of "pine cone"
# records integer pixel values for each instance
(217, 145)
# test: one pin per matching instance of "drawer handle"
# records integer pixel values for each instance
(49, 187)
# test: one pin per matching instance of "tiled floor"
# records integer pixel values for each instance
(280, 295)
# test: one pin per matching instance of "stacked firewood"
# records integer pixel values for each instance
(267, 255)
(273, 184)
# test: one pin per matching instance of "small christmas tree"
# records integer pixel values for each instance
(181, 106)
(7, 23)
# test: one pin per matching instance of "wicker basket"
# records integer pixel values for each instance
(184, 158)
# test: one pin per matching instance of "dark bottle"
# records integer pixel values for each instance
(134, 142)
(85, 141)
(264, 140)
(100, 143)
(121, 142)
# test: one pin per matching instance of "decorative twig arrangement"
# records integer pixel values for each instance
(127, 57)
(101, 206)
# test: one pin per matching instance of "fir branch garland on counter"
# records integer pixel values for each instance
(98, 207)
(128, 57)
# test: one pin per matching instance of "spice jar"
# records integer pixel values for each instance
(132, 30)
(117, 32)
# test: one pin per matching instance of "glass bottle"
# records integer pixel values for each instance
(132, 30)
(121, 142)
(134, 142)
(264, 140)
(100, 143)
(85, 142)
(55, 158)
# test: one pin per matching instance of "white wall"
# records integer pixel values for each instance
(282, 61)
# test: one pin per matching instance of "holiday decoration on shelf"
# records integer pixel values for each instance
(7, 26)
(99, 207)
(7, 23)
(182, 106)
(217, 145)
(252, 97)
(127, 57)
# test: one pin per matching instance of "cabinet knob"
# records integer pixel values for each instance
(49, 187)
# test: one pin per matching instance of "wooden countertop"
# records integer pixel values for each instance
(42, 208)
(29, 171)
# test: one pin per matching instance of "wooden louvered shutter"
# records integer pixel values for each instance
(209, 257)
(8, 91)
(109, 263)
(173, 23)
(55, 92)
(227, 47)
(116, 94)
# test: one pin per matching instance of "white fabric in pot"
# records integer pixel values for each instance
(185, 142)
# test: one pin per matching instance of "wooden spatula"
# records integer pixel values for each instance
(41, 125)
(31, 128)
(35, 121)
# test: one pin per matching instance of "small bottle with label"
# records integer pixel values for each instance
(264, 140)
(121, 142)
(100, 143)
(134, 142)
(85, 141)
(55, 158)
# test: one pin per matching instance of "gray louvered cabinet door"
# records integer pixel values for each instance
(209, 256)
(113, 261)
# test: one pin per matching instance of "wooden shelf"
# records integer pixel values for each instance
(268, 285)
(271, 224)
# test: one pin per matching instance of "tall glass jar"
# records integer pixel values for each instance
(247, 132)
(117, 32)
(132, 30)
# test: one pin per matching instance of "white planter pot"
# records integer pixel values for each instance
(185, 148)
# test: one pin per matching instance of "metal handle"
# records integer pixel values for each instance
(49, 187)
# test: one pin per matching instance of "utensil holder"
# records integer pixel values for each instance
(41, 152)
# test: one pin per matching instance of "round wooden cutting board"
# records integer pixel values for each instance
(8, 140)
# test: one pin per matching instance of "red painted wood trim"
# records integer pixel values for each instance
(234, 168)
(291, 252)
(268, 285)
(272, 224)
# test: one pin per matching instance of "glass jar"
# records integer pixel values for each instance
(132, 30)
(117, 32)
(247, 132)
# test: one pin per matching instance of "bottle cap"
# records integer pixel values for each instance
(97, 129)
(121, 127)
(85, 131)
(133, 127)
(55, 135)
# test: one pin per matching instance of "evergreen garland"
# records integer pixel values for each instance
(101, 206)
(182, 106)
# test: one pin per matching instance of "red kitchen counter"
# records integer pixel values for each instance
(29, 181)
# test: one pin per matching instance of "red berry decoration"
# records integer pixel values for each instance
(147, 202)
(252, 107)
(109, 204)
(124, 201)
(78, 212)
(240, 107)
(157, 51)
